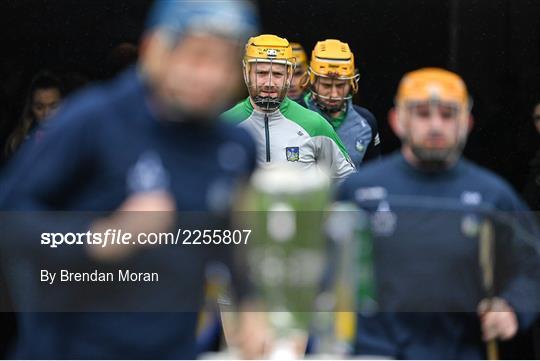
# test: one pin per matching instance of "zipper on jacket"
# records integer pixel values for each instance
(267, 137)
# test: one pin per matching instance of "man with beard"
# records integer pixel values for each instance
(148, 143)
(427, 206)
(285, 132)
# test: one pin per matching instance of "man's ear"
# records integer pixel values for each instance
(395, 123)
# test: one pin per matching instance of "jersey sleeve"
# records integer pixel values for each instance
(41, 178)
(331, 153)
(42, 172)
(520, 259)
(374, 148)
(249, 145)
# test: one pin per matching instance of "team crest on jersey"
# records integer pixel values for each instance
(293, 154)
(470, 225)
(360, 147)
(384, 220)
(148, 174)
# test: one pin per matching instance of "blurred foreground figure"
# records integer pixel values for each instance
(446, 281)
(149, 141)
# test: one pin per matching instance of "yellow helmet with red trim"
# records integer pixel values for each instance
(332, 58)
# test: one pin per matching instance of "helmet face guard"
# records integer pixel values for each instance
(449, 110)
(271, 76)
(323, 101)
(332, 59)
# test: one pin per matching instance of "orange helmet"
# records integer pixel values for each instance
(333, 58)
(432, 84)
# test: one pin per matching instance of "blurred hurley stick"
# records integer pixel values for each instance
(487, 265)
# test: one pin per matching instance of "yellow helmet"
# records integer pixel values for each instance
(299, 54)
(432, 83)
(333, 59)
(268, 49)
(434, 87)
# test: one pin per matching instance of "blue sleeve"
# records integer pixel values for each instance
(242, 288)
(345, 190)
(44, 173)
(522, 292)
(374, 148)
(251, 150)
(43, 178)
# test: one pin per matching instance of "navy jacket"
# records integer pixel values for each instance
(428, 278)
(358, 132)
(105, 144)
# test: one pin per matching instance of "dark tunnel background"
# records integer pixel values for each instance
(493, 44)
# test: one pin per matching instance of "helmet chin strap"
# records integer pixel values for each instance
(320, 101)
(327, 109)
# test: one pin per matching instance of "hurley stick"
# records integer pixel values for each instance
(487, 263)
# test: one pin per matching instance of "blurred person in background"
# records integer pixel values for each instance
(426, 204)
(42, 100)
(13, 93)
(333, 80)
(285, 132)
(148, 141)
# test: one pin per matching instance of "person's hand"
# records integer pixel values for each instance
(254, 336)
(140, 213)
(247, 331)
(498, 319)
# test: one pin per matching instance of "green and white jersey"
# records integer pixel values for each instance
(293, 135)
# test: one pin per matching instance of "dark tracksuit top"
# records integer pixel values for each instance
(358, 131)
(426, 258)
(103, 145)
